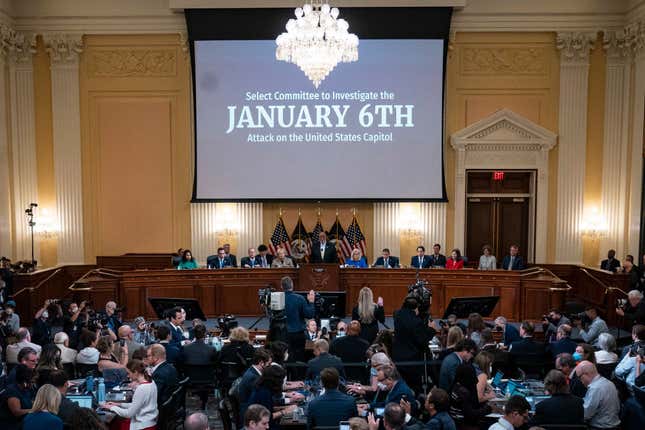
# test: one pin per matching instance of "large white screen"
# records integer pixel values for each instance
(373, 130)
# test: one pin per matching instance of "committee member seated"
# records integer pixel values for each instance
(231, 257)
(421, 260)
(601, 403)
(251, 261)
(634, 311)
(323, 251)
(437, 259)
(611, 263)
(356, 259)
(487, 260)
(187, 261)
(386, 260)
(322, 360)
(332, 406)
(513, 261)
(455, 262)
(562, 407)
(219, 261)
(281, 260)
(264, 257)
(594, 328)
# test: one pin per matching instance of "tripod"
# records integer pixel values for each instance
(30, 221)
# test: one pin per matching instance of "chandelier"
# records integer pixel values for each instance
(316, 41)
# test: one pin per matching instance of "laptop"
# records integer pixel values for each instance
(497, 380)
(82, 401)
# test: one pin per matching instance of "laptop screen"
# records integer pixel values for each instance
(497, 380)
(82, 401)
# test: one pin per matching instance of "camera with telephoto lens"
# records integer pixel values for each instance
(621, 304)
(581, 316)
(226, 323)
(422, 292)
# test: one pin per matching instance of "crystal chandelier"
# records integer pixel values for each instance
(316, 41)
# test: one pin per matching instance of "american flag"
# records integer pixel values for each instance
(300, 239)
(337, 235)
(313, 236)
(355, 236)
(279, 238)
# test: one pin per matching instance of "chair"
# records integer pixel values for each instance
(606, 370)
(230, 371)
(225, 414)
(70, 370)
(201, 380)
(166, 411)
(564, 426)
(82, 370)
(531, 364)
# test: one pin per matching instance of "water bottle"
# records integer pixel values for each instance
(101, 391)
(217, 343)
(89, 383)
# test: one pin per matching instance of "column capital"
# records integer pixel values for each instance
(574, 47)
(616, 45)
(63, 48)
(17, 46)
(635, 39)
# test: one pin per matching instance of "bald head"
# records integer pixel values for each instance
(125, 332)
(156, 354)
(586, 372)
(196, 421)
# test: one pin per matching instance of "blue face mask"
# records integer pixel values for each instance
(577, 356)
(373, 371)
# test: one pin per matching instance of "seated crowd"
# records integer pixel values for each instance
(373, 378)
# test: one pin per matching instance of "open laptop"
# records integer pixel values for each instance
(82, 401)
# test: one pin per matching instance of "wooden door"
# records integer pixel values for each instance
(513, 226)
(480, 226)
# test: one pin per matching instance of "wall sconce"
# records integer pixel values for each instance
(593, 225)
(46, 227)
(227, 224)
(409, 222)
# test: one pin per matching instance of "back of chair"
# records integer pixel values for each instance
(200, 374)
(531, 364)
(70, 370)
(606, 370)
(82, 370)
(225, 414)
(564, 426)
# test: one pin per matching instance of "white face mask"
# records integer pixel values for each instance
(340, 334)
(381, 386)
(45, 314)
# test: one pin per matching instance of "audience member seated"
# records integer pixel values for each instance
(369, 314)
(67, 355)
(455, 262)
(126, 336)
(562, 407)
(44, 412)
(393, 418)
(465, 407)
(455, 334)
(143, 410)
(17, 399)
(487, 260)
(312, 333)
(584, 352)
(511, 334)
(567, 365)
(187, 261)
(89, 354)
(356, 259)
(322, 360)
(23, 339)
(163, 373)
(87, 419)
(261, 360)
(173, 349)
(611, 263)
(421, 261)
(597, 326)
(257, 417)
(386, 260)
(606, 354)
(601, 403)
(330, 408)
(67, 408)
(483, 363)
(437, 405)
(475, 327)
(552, 322)
(236, 355)
(251, 260)
(351, 349)
(48, 362)
(516, 414)
(513, 261)
(219, 261)
(281, 260)
(634, 311)
(390, 379)
(465, 350)
(267, 389)
(563, 342)
(27, 357)
(198, 353)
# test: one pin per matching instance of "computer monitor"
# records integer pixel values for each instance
(333, 304)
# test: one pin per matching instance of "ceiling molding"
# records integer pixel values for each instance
(180, 5)
(105, 25)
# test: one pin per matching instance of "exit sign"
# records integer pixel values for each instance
(498, 176)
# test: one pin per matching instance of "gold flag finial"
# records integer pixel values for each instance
(299, 213)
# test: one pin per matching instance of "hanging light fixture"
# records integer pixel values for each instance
(316, 41)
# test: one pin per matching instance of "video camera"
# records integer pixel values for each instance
(226, 323)
(422, 292)
(580, 316)
(621, 304)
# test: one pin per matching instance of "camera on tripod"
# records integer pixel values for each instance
(271, 300)
(422, 292)
(226, 323)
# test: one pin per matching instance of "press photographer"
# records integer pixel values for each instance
(551, 322)
(74, 321)
(590, 325)
(111, 317)
(46, 318)
(633, 309)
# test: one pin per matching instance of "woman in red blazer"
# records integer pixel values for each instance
(455, 261)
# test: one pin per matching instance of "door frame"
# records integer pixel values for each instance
(504, 141)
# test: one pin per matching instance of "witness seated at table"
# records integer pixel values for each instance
(267, 389)
(281, 260)
(516, 414)
(256, 417)
(187, 261)
(455, 261)
(44, 412)
(332, 406)
(386, 260)
(562, 407)
(322, 360)
(356, 259)
(465, 407)
(487, 260)
(18, 398)
(143, 410)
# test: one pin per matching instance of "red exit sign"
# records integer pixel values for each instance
(498, 176)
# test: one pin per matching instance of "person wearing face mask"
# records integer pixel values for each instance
(43, 324)
(377, 361)
(351, 349)
(390, 380)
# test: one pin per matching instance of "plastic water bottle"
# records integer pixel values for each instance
(100, 397)
(89, 383)
(217, 343)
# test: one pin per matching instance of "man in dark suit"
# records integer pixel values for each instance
(526, 345)
(163, 373)
(261, 359)
(351, 349)
(398, 390)
(219, 261)
(251, 261)
(511, 334)
(611, 263)
(563, 342)
(465, 350)
(198, 353)
(323, 251)
(420, 261)
(562, 407)
(264, 257)
(231, 257)
(322, 360)
(332, 407)
(173, 349)
(513, 261)
(437, 259)
(176, 319)
(386, 260)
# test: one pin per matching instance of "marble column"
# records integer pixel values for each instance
(23, 140)
(433, 218)
(574, 76)
(64, 51)
(615, 142)
(250, 236)
(386, 234)
(203, 239)
(6, 248)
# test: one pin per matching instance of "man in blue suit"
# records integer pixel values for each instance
(511, 334)
(173, 349)
(386, 260)
(563, 342)
(513, 261)
(420, 261)
(390, 379)
(465, 350)
(332, 407)
(219, 261)
(177, 316)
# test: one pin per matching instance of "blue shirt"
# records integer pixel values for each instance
(297, 308)
(353, 263)
(42, 420)
(601, 404)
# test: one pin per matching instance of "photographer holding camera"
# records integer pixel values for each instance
(111, 319)
(551, 322)
(44, 320)
(595, 325)
(634, 309)
(74, 322)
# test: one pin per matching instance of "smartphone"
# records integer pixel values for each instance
(379, 412)
(122, 342)
(343, 425)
